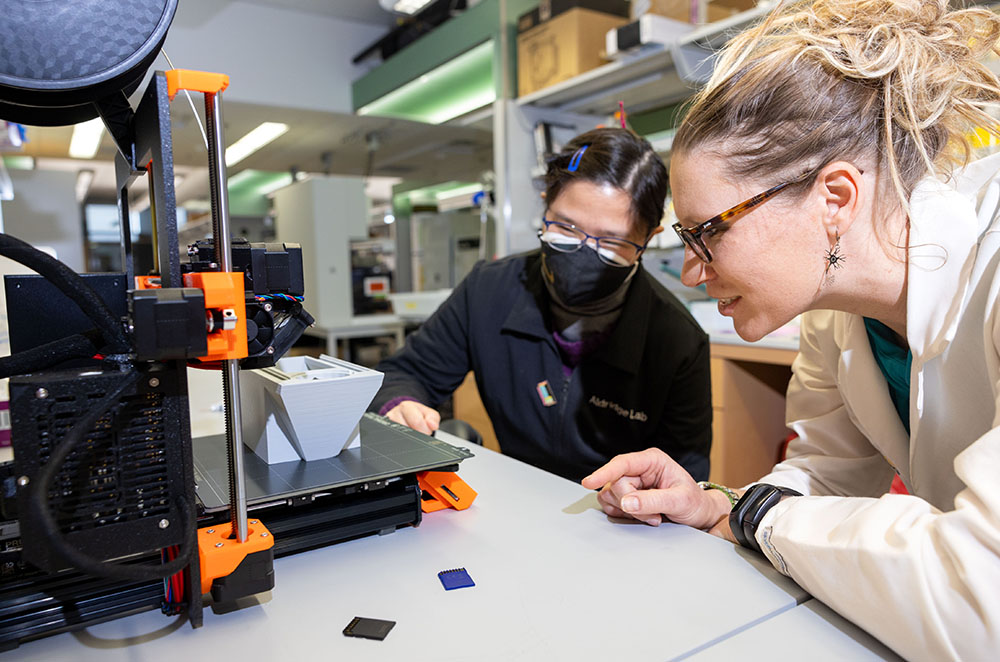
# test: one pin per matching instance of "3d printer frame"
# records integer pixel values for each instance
(98, 542)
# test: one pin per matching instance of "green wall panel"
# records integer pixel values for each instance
(444, 43)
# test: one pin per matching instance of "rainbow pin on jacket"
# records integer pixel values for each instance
(545, 393)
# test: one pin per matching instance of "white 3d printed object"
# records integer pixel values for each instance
(305, 408)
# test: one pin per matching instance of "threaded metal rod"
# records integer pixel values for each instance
(230, 367)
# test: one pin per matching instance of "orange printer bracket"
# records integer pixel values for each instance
(446, 490)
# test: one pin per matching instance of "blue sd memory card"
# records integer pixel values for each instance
(455, 578)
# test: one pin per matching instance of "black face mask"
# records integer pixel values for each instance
(580, 278)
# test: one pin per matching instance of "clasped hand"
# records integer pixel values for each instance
(649, 486)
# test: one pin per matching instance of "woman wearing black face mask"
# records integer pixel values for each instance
(582, 279)
(579, 354)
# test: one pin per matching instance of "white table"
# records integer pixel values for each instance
(810, 631)
(554, 580)
(360, 326)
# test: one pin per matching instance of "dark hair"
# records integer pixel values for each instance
(617, 157)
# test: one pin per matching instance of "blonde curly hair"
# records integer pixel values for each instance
(896, 82)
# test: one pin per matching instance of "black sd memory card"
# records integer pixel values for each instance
(368, 628)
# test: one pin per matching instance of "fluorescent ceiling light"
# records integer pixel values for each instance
(83, 180)
(279, 182)
(404, 6)
(459, 197)
(410, 6)
(86, 139)
(253, 141)
(241, 177)
(252, 182)
(466, 105)
(468, 191)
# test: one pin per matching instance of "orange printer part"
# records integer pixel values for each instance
(147, 282)
(446, 490)
(219, 555)
(195, 81)
(223, 291)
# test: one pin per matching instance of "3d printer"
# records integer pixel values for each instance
(100, 514)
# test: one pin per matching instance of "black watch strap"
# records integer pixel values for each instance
(746, 515)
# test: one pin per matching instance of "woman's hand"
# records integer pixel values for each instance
(414, 415)
(649, 486)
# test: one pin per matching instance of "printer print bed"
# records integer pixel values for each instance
(387, 450)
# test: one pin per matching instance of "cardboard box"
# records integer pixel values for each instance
(563, 47)
(549, 9)
(691, 11)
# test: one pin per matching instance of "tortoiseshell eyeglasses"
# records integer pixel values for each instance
(692, 237)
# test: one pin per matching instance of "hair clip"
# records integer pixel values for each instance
(621, 112)
(574, 162)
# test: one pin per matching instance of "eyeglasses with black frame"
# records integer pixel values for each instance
(567, 238)
(692, 237)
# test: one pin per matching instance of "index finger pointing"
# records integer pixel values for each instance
(628, 464)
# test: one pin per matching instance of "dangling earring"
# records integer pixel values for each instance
(834, 259)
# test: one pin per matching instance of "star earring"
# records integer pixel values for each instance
(834, 260)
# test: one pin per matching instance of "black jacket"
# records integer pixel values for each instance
(648, 385)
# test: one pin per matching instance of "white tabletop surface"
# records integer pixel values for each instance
(810, 631)
(555, 580)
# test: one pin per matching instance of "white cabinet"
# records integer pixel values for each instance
(323, 214)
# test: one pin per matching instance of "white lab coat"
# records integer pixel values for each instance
(921, 572)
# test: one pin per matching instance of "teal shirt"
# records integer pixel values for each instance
(894, 361)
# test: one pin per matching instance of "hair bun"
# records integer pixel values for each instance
(913, 68)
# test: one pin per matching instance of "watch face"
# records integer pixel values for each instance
(739, 514)
(748, 512)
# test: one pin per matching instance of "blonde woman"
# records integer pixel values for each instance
(828, 156)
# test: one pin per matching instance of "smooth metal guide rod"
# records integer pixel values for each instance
(230, 367)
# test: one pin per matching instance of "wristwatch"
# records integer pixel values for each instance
(746, 515)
